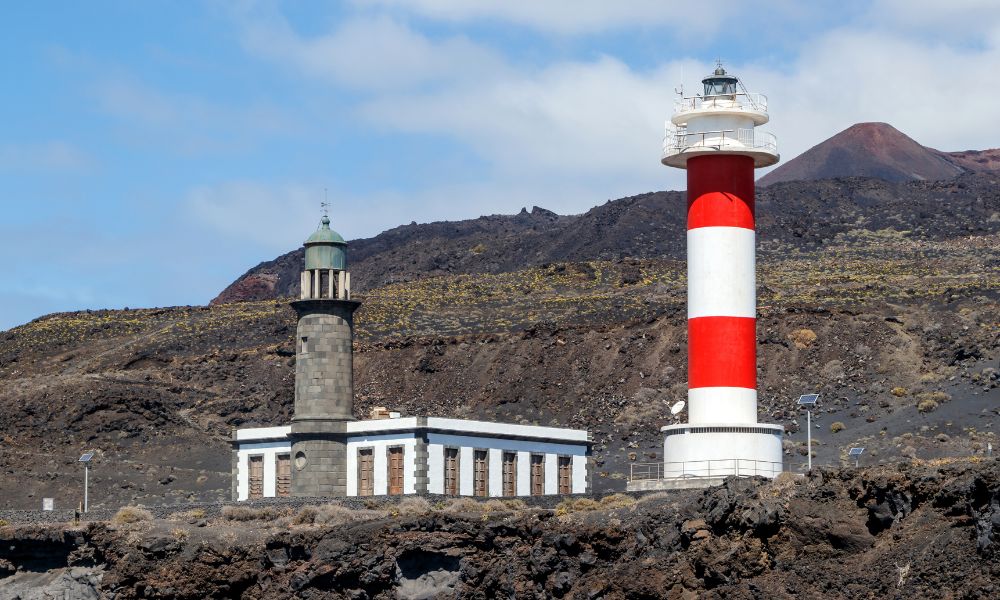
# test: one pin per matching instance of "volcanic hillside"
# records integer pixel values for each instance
(881, 296)
(879, 150)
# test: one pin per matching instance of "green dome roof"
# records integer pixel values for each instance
(325, 249)
(325, 235)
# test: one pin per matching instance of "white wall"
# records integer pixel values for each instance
(436, 443)
(260, 434)
(401, 434)
(380, 443)
(555, 434)
(726, 450)
(269, 450)
(524, 473)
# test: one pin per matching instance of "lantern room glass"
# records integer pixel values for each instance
(720, 86)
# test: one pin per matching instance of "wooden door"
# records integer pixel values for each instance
(366, 472)
(283, 472)
(509, 473)
(481, 473)
(395, 471)
(256, 476)
(565, 475)
(451, 471)
(537, 474)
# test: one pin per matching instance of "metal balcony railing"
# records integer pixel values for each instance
(741, 102)
(676, 141)
(740, 467)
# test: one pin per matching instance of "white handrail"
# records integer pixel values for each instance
(741, 101)
(676, 141)
(740, 467)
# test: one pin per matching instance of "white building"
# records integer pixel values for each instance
(428, 455)
(325, 452)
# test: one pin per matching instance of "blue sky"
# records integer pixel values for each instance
(151, 152)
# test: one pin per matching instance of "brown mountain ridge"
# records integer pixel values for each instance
(882, 151)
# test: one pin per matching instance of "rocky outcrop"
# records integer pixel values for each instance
(916, 531)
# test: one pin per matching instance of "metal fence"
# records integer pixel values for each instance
(740, 467)
(679, 140)
(742, 102)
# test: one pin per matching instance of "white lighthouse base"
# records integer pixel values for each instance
(704, 454)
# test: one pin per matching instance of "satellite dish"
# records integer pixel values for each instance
(676, 408)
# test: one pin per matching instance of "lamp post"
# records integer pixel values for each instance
(85, 459)
(808, 400)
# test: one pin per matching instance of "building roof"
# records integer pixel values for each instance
(325, 235)
(435, 424)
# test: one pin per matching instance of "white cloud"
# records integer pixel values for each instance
(568, 119)
(575, 129)
(961, 21)
(933, 92)
(583, 16)
(587, 120)
(374, 53)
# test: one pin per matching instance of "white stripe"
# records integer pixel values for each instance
(722, 405)
(721, 272)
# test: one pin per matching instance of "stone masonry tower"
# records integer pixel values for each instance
(324, 365)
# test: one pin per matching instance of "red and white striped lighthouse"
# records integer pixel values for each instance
(714, 136)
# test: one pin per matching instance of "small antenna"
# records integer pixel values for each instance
(325, 204)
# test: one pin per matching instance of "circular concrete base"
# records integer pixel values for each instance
(720, 450)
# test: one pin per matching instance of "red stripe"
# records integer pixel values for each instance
(722, 352)
(720, 191)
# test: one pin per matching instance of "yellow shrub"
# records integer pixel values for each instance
(802, 338)
(617, 501)
(131, 514)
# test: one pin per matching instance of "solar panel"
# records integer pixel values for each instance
(855, 451)
(86, 457)
(808, 399)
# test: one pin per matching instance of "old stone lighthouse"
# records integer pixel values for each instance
(326, 452)
(324, 367)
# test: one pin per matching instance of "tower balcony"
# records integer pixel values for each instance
(752, 106)
(679, 145)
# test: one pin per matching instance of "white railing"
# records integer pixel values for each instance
(740, 467)
(676, 141)
(741, 102)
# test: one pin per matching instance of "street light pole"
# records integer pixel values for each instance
(809, 439)
(85, 459)
(808, 400)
